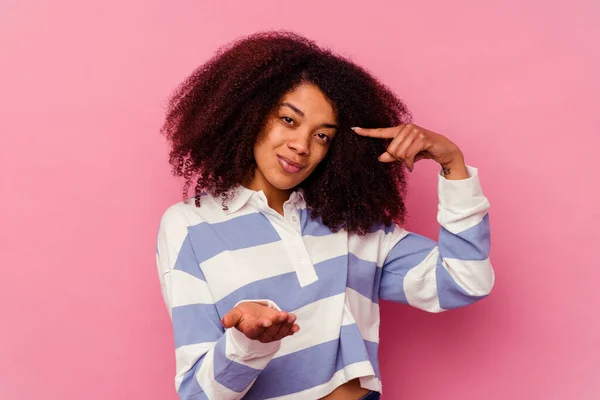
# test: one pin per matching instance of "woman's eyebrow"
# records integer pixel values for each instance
(293, 107)
(299, 112)
(326, 125)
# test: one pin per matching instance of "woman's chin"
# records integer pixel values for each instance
(285, 182)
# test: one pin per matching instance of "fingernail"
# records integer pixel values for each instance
(223, 321)
(355, 128)
(267, 323)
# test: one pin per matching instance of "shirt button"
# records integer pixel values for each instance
(295, 219)
(301, 262)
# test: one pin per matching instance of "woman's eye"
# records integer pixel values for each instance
(323, 137)
(287, 120)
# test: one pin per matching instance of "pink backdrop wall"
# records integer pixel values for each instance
(84, 179)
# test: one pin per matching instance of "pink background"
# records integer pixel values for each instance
(84, 179)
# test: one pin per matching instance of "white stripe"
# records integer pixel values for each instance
(462, 204)
(365, 313)
(376, 246)
(475, 277)
(210, 211)
(231, 270)
(170, 238)
(322, 248)
(186, 356)
(359, 369)
(372, 383)
(420, 286)
(367, 247)
(456, 221)
(187, 289)
(314, 331)
(249, 352)
(348, 318)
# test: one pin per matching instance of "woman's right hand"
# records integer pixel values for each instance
(260, 322)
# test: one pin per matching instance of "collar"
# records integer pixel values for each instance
(242, 195)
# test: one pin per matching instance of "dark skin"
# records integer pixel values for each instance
(259, 322)
(301, 130)
(411, 143)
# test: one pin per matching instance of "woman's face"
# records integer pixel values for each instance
(295, 139)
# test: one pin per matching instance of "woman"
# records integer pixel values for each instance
(273, 274)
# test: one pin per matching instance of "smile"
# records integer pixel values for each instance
(289, 165)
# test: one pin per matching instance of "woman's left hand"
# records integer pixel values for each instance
(411, 143)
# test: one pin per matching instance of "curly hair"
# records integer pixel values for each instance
(216, 115)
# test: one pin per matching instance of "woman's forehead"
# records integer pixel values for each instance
(308, 101)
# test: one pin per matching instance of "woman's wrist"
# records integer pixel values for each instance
(456, 168)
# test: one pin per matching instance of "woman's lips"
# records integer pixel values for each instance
(289, 165)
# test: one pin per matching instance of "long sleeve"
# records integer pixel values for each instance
(211, 362)
(455, 271)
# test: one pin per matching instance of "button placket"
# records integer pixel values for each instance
(299, 257)
(288, 228)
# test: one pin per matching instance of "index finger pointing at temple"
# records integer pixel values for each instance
(381, 133)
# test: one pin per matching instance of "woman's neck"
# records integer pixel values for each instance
(275, 197)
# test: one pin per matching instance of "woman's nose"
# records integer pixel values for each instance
(300, 143)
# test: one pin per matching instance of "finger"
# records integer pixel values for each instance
(291, 318)
(414, 149)
(270, 333)
(400, 138)
(387, 158)
(271, 322)
(295, 328)
(284, 331)
(252, 329)
(232, 318)
(402, 151)
(285, 325)
(283, 316)
(266, 323)
(286, 328)
(381, 133)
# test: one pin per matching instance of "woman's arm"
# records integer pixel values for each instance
(457, 270)
(211, 362)
(454, 272)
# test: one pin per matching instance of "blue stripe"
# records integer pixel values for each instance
(196, 323)
(311, 227)
(190, 389)
(351, 348)
(409, 252)
(212, 239)
(285, 289)
(471, 244)
(372, 349)
(231, 374)
(187, 261)
(315, 227)
(382, 227)
(391, 287)
(363, 276)
(450, 294)
(309, 367)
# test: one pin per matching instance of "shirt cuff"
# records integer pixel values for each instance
(461, 193)
(247, 348)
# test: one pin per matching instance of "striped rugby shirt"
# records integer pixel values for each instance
(210, 259)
